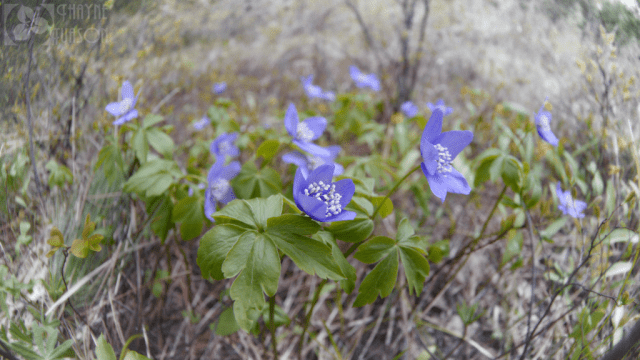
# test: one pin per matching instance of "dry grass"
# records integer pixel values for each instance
(261, 49)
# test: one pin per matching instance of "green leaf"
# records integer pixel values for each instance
(268, 149)
(104, 351)
(251, 183)
(312, 256)
(80, 248)
(111, 160)
(375, 249)
(236, 259)
(405, 230)
(226, 324)
(161, 142)
(151, 120)
(380, 280)
(140, 145)
(621, 235)
(512, 173)
(416, 268)
(260, 274)
(153, 178)
(58, 174)
(161, 209)
(263, 209)
(349, 284)
(438, 250)
(189, 212)
(214, 247)
(514, 246)
(387, 206)
(554, 227)
(132, 355)
(610, 197)
(355, 230)
(237, 212)
(361, 205)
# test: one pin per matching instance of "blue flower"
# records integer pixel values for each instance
(308, 163)
(440, 106)
(322, 199)
(543, 124)
(409, 109)
(220, 87)
(438, 150)
(124, 110)
(305, 132)
(364, 80)
(568, 205)
(202, 123)
(218, 189)
(223, 146)
(315, 91)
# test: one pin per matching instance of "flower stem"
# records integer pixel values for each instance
(272, 325)
(393, 190)
(307, 318)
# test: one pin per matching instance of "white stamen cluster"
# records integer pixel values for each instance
(444, 159)
(543, 121)
(219, 187)
(126, 104)
(314, 162)
(327, 194)
(303, 132)
(224, 147)
(569, 201)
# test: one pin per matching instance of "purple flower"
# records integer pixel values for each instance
(320, 198)
(438, 150)
(223, 146)
(364, 80)
(543, 124)
(202, 123)
(568, 205)
(305, 132)
(440, 106)
(124, 110)
(409, 109)
(315, 91)
(308, 163)
(220, 87)
(219, 189)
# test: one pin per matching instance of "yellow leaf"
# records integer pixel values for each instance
(80, 248)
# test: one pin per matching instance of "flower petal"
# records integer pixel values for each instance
(297, 159)
(346, 189)
(316, 124)
(428, 152)
(299, 183)
(455, 141)
(438, 188)
(322, 173)
(114, 108)
(127, 90)
(372, 81)
(316, 209)
(291, 120)
(312, 148)
(214, 171)
(433, 128)
(343, 216)
(228, 196)
(456, 183)
(209, 204)
(354, 72)
(130, 115)
(339, 169)
(547, 136)
(230, 171)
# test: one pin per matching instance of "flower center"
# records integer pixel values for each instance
(219, 187)
(327, 194)
(544, 122)
(224, 147)
(304, 133)
(126, 104)
(444, 159)
(569, 201)
(314, 162)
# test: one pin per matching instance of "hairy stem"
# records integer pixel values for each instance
(307, 317)
(272, 325)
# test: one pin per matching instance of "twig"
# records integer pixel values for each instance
(27, 99)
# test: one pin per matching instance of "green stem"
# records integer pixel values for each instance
(272, 325)
(307, 318)
(393, 190)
